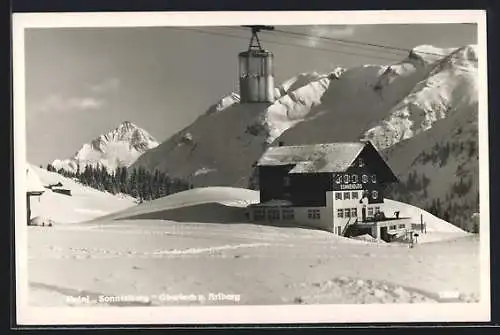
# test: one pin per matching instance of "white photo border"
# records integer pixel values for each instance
(372, 313)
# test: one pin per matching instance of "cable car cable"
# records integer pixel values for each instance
(360, 43)
(384, 57)
(406, 51)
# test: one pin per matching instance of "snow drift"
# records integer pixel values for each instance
(207, 204)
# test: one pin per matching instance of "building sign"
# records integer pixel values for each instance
(351, 186)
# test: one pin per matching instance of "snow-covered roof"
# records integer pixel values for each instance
(330, 157)
(33, 183)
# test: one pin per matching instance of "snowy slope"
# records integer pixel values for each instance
(116, 148)
(386, 104)
(229, 137)
(433, 223)
(447, 157)
(226, 196)
(450, 86)
(85, 203)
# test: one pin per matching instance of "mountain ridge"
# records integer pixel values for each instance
(117, 147)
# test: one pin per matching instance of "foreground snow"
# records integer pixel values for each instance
(166, 262)
(141, 252)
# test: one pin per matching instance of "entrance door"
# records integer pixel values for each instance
(383, 234)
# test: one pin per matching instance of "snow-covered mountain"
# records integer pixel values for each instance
(116, 148)
(438, 169)
(386, 104)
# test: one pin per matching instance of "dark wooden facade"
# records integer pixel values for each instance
(300, 189)
(368, 172)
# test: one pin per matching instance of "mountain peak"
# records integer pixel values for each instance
(127, 124)
(116, 148)
(427, 53)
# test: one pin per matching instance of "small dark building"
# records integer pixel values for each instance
(34, 188)
(327, 186)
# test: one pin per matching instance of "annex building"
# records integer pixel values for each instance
(338, 187)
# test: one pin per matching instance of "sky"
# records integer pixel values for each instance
(82, 82)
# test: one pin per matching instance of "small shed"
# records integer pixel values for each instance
(34, 188)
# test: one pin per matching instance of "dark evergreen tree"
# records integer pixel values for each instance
(133, 184)
(156, 185)
(446, 216)
(124, 180)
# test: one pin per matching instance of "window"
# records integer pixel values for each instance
(340, 213)
(377, 209)
(346, 179)
(374, 178)
(347, 195)
(370, 211)
(361, 162)
(288, 214)
(338, 178)
(354, 178)
(354, 195)
(347, 212)
(392, 227)
(374, 194)
(313, 214)
(338, 195)
(401, 226)
(259, 214)
(286, 181)
(273, 214)
(364, 178)
(339, 230)
(354, 212)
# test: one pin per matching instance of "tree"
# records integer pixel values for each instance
(156, 184)
(124, 180)
(133, 184)
(141, 173)
(167, 185)
(51, 168)
(438, 207)
(444, 153)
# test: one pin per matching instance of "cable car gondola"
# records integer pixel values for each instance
(256, 70)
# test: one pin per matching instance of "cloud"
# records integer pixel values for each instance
(59, 103)
(108, 85)
(318, 32)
